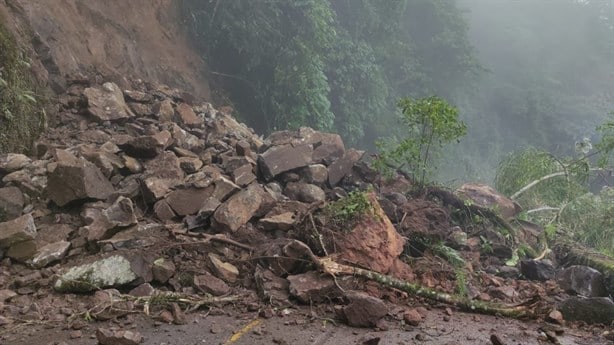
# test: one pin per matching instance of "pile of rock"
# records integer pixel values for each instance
(127, 170)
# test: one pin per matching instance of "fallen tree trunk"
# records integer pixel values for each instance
(328, 265)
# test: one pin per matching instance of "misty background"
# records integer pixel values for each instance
(528, 73)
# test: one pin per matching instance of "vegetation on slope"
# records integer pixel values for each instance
(20, 112)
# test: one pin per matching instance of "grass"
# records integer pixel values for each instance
(21, 113)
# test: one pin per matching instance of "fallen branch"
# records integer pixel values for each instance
(207, 238)
(328, 265)
(542, 179)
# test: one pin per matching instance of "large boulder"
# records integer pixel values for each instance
(582, 280)
(486, 196)
(590, 310)
(114, 271)
(107, 103)
(77, 180)
(343, 166)
(238, 209)
(282, 158)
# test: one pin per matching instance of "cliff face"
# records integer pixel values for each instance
(116, 38)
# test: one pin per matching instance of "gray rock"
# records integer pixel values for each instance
(11, 202)
(6, 295)
(107, 103)
(314, 173)
(190, 164)
(77, 180)
(343, 166)
(50, 253)
(164, 110)
(582, 280)
(304, 192)
(138, 96)
(537, 269)
(282, 158)
(114, 271)
(22, 251)
(590, 310)
(146, 146)
(312, 287)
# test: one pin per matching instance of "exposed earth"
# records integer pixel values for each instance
(145, 215)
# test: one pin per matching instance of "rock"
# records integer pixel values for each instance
(109, 337)
(163, 210)
(114, 271)
(282, 222)
(228, 272)
(508, 272)
(314, 173)
(22, 251)
(486, 196)
(238, 209)
(146, 146)
(304, 192)
(142, 290)
(164, 110)
(138, 96)
(6, 295)
(555, 316)
(165, 166)
(107, 103)
(327, 148)
(506, 292)
(312, 287)
(282, 158)
(188, 201)
(77, 180)
(50, 253)
(364, 310)
(133, 165)
(243, 148)
(11, 162)
(210, 284)
(541, 270)
(271, 288)
(372, 243)
(190, 164)
(343, 166)
(11, 203)
(103, 222)
(590, 310)
(187, 115)
(457, 238)
(163, 270)
(18, 230)
(243, 175)
(412, 317)
(582, 280)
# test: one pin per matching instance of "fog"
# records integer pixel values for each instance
(548, 79)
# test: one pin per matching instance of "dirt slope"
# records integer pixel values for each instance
(117, 38)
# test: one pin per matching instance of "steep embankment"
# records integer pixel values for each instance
(116, 38)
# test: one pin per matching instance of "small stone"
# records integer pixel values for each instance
(211, 284)
(142, 290)
(50, 253)
(282, 222)
(412, 317)
(556, 316)
(109, 337)
(163, 270)
(190, 164)
(228, 272)
(11, 202)
(312, 287)
(187, 115)
(163, 210)
(17, 230)
(6, 295)
(75, 334)
(364, 310)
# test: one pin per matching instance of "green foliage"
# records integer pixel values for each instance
(431, 123)
(330, 64)
(20, 113)
(590, 219)
(349, 209)
(605, 147)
